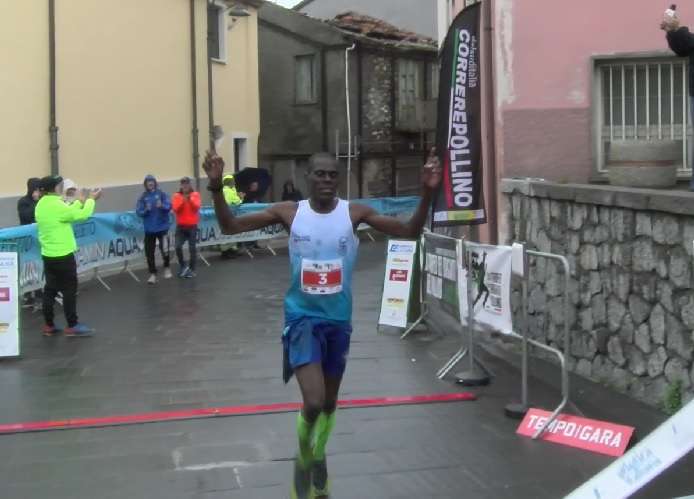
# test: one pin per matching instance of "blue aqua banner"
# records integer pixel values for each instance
(116, 238)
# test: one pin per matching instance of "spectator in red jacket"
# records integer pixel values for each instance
(186, 207)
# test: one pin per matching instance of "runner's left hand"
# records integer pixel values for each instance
(431, 173)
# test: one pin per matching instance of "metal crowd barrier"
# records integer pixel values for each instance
(518, 410)
(473, 376)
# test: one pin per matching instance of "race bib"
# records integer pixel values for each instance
(321, 277)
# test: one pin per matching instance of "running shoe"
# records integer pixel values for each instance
(78, 331)
(182, 273)
(49, 331)
(321, 484)
(152, 279)
(190, 274)
(167, 273)
(301, 485)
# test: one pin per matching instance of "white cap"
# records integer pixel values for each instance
(69, 184)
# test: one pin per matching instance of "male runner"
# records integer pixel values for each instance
(318, 307)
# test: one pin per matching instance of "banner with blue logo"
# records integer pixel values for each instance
(115, 238)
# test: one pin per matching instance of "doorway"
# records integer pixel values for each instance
(240, 153)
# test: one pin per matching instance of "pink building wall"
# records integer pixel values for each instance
(543, 72)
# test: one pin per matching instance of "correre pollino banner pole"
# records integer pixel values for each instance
(460, 198)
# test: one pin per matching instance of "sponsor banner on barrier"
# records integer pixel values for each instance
(9, 304)
(113, 238)
(589, 434)
(398, 283)
(441, 264)
(645, 461)
(491, 286)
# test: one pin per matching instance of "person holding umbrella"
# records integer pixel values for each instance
(253, 183)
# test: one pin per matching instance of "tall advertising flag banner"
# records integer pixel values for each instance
(460, 200)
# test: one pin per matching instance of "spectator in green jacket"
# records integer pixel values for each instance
(54, 219)
(232, 198)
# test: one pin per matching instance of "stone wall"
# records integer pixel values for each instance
(631, 257)
(377, 106)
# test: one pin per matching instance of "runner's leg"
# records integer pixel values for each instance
(310, 378)
(326, 421)
(312, 385)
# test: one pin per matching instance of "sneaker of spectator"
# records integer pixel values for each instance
(79, 330)
(50, 331)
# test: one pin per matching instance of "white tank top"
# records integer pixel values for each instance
(322, 252)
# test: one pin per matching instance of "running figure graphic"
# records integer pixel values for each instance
(479, 272)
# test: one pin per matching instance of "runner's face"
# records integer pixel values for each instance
(323, 180)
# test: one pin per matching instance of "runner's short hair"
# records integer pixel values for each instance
(320, 156)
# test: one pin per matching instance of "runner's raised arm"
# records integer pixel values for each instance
(431, 178)
(230, 224)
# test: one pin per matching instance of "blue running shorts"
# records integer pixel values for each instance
(316, 341)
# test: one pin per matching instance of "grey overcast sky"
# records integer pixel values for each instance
(286, 3)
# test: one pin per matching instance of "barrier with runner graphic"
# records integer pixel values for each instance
(460, 293)
(442, 263)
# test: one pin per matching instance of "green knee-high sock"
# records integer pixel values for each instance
(305, 432)
(324, 427)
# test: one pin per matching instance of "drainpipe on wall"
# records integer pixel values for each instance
(349, 121)
(324, 99)
(53, 129)
(194, 91)
(393, 153)
(210, 98)
(360, 124)
(492, 202)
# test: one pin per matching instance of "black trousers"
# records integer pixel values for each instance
(190, 235)
(61, 276)
(151, 239)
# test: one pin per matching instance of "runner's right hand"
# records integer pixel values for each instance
(214, 168)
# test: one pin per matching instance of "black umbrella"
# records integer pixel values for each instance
(247, 176)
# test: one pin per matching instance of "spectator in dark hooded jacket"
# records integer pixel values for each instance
(27, 204)
(154, 206)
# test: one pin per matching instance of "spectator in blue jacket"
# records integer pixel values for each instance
(154, 207)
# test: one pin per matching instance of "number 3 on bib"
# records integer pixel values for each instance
(321, 277)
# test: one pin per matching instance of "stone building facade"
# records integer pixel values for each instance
(393, 77)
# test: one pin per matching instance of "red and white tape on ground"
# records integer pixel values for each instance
(241, 410)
